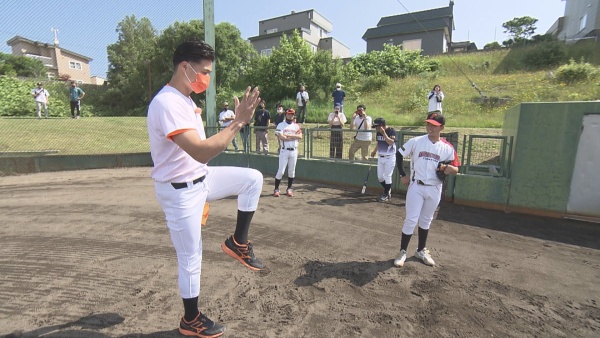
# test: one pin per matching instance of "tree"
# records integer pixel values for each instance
(492, 46)
(128, 66)
(23, 66)
(521, 28)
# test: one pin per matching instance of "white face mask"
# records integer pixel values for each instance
(280, 110)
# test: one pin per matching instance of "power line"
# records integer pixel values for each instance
(447, 54)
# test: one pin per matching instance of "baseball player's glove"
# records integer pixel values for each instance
(441, 175)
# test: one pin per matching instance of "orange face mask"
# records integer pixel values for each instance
(201, 83)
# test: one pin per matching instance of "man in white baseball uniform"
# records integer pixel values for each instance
(425, 189)
(386, 156)
(183, 181)
(288, 133)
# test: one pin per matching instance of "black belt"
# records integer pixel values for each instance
(386, 155)
(419, 182)
(184, 185)
(290, 149)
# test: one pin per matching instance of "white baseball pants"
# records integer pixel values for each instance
(287, 158)
(421, 202)
(385, 168)
(183, 212)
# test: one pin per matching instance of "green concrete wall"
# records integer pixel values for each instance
(547, 137)
(484, 190)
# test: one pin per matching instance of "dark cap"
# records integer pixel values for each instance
(290, 111)
(337, 106)
(380, 121)
(39, 84)
(436, 118)
(278, 105)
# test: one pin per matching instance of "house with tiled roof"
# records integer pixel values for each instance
(59, 62)
(429, 31)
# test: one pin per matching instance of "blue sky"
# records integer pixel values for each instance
(87, 27)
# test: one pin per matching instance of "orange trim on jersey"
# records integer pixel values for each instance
(455, 162)
(177, 132)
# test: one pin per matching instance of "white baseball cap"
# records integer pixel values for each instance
(338, 84)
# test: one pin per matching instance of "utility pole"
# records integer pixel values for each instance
(211, 92)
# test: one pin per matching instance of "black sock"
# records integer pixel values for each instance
(422, 238)
(387, 187)
(243, 224)
(404, 241)
(277, 182)
(290, 181)
(190, 306)
(382, 184)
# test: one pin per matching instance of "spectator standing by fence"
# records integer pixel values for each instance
(225, 118)
(40, 95)
(262, 119)
(363, 137)
(336, 121)
(301, 101)
(435, 97)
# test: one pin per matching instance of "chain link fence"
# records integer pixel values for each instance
(481, 155)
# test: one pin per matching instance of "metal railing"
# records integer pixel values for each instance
(486, 155)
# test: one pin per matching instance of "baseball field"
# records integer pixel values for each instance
(88, 254)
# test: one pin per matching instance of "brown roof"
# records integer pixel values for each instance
(17, 38)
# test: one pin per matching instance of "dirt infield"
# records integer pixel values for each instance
(88, 254)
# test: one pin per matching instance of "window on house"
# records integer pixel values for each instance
(411, 44)
(582, 22)
(273, 30)
(75, 65)
(390, 42)
(266, 52)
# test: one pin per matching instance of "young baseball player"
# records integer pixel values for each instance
(288, 133)
(183, 181)
(424, 191)
(386, 156)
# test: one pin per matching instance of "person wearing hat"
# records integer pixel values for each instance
(362, 139)
(226, 116)
(288, 133)
(262, 120)
(386, 156)
(40, 95)
(424, 188)
(338, 96)
(336, 121)
(301, 102)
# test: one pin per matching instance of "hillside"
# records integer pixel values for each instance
(403, 102)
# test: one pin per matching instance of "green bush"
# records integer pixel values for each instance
(545, 55)
(575, 72)
(374, 82)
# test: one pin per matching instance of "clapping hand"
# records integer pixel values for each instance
(244, 110)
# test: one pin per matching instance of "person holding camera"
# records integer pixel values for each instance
(435, 97)
(301, 102)
(336, 121)
(362, 123)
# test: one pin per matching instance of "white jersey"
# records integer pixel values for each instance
(171, 113)
(286, 128)
(363, 135)
(425, 156)
(435, 101)
(225, 115)
(42, 94)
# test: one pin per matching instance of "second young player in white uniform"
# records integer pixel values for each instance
(425, 189)
(386, 156)
(288, 133)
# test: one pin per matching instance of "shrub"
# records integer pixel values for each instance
(574, 72)
(545, 55)
(374, 82)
